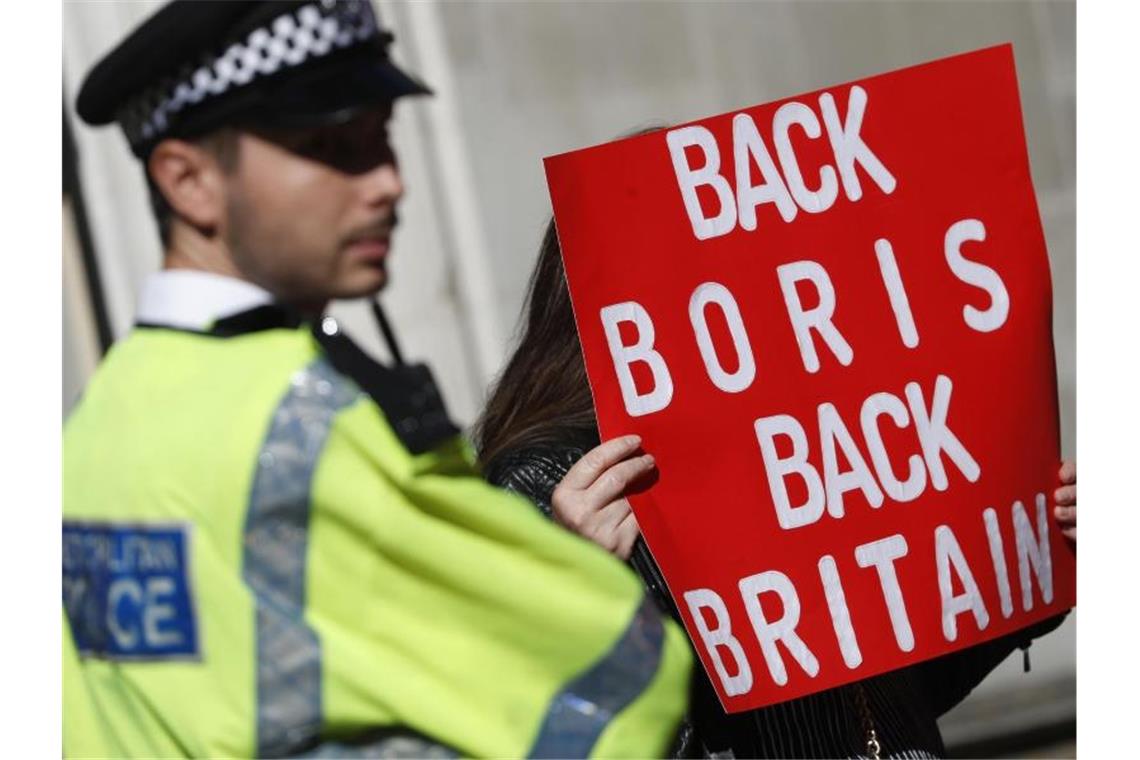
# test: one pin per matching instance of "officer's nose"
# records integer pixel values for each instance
(382, 185)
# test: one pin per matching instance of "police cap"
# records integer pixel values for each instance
(195, 66)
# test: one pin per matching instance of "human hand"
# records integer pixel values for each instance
(1066, 497)
(590, 500)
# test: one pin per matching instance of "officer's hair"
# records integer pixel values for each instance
(223, 144)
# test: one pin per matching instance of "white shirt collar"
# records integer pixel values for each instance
(195, 300)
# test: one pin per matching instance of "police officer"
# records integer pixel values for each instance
(273, 545)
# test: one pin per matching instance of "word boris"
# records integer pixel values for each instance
(806, 322)
(713, 624)
(784, 186)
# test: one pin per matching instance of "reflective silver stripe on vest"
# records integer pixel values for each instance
(580, 712)
(276, 545)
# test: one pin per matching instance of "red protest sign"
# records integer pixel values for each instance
(829, 318)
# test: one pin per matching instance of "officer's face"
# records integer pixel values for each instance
(310, 212)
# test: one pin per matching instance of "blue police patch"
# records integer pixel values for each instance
(126, 590)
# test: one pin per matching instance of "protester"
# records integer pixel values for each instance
(538, 437)
(273, 545)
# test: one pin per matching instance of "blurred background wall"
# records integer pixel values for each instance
(516, 81)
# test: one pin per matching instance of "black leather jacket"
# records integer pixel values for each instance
(903, 705)
(535, 472)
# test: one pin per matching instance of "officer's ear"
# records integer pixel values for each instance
(191, 176)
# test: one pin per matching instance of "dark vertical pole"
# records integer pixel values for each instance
(73, 190)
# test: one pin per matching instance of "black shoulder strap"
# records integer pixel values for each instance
(407, 393)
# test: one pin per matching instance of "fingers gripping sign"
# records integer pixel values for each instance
(590, 500)
(1066, 496)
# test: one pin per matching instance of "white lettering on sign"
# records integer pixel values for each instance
(714, 293)
(748, 147)
(947, 555)
(812, 201)
(714, 639)
(900, 305)
(978, 275)
(783, 629)
(1033, 553)
(840, 615)
(708, 175)
(882, 555)
(771, 190)
(811, 324)
(828, 491)
(778, 637)
(778, 468)
(636, 404)
(849, 147)
(817, 318)
(997, 556)
(935, 437)
(877, 405)
(832, 431)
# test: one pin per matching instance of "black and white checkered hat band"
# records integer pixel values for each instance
(311, 31)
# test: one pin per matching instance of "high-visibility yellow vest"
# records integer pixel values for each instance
(261, 558)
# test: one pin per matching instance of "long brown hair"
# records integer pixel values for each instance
(542, 396)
